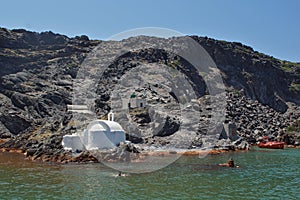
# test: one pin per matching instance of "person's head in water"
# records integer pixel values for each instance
(230, 163)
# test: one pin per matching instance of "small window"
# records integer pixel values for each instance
(141, 105)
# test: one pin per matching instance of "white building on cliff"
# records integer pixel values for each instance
(99, 134)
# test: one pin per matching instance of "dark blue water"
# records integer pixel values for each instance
(263, 174)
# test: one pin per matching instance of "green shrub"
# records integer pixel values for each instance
(294, 87)
(174, 64)
(291, 128)
(294, 127)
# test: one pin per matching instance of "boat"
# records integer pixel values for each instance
(271, 145)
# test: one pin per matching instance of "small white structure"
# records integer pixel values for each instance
(137, 103)
(78, 108)
(99, 134)
(134, 102)
(72, 143)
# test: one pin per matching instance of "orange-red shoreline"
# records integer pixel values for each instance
(194, 152)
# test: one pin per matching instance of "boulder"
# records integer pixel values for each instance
(14, 123)
(170, 126)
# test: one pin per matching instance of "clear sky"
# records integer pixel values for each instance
(269, 26)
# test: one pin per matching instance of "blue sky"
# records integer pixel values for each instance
(269, 26)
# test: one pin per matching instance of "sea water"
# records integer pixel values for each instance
(263, 174)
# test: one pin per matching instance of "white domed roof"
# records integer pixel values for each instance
(97, 127)
(105, 125)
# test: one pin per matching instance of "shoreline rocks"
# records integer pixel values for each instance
(93, 157)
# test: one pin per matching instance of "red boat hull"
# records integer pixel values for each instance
(271, 145)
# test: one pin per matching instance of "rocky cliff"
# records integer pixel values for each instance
(271, 81)
(38, 69)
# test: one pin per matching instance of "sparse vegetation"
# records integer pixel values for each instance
(236, 91)
(294, 127)
(291, 128)
(294, 87)
(138, 111)
(174, 64)
(72, 64)
(287, 65)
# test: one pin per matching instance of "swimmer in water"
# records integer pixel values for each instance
(230, 163)
(120, 174)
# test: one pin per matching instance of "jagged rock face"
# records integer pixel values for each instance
(36, 76)
(261, 77)
(22, 50)
(38, 69)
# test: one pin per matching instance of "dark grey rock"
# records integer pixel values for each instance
(35, 88)
(15, 124)
(171, 125)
